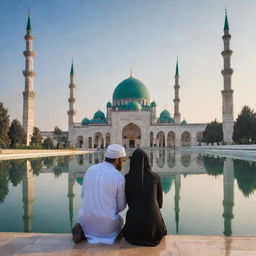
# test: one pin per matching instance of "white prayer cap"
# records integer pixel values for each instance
(115, 151)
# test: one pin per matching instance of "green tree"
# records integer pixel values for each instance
(36, 138)
(213, 132)
(16, 134)
(57, 131)
(245, 127)
(62, 142)
(48, 143)
(4, 126)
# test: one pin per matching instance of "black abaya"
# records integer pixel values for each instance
(144, 223)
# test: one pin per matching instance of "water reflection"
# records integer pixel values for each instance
(245, 173)
(170, 164)
(213, 165)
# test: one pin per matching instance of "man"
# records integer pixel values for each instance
(103, 194)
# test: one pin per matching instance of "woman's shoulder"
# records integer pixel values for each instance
(154, 176)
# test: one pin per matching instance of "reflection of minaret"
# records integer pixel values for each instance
(177, 200)
(71, 196)
(227, 246)
(28, 194)
(228, 202)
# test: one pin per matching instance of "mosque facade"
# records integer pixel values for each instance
(130, 119)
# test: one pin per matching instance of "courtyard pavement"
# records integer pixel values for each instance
(172, 245)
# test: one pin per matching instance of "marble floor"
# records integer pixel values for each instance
(62, 244)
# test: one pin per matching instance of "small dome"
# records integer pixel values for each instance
(153, 104)
(165, 117)
(98, 118)
(85, 121)
(165, 114)
(184, 122)
(99, 114)
(133, 105)
(131, 88)
(109, 105)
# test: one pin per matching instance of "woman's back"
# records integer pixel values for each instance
(144, 224)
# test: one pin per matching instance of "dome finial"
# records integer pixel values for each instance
(130, 72)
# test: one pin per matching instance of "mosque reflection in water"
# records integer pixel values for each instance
(170, 164)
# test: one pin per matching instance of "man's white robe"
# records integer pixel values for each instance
(103, 194)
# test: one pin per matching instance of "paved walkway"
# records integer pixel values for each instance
(62, 245)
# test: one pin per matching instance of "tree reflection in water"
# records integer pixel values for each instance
(214, 165)
(245, 173)
(3, 180)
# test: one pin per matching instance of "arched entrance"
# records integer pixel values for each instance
(90, 142)
(171, 139)
(199, 138)
(80, 141)
(131, 136)
(160, 138)
(186, 139)
(98, 140)
(151, 139)
(107, 139)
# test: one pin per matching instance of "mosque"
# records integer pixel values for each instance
(130, 119)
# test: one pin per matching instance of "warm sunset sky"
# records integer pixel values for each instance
(108, 37)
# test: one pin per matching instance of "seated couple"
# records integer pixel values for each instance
(105, 192)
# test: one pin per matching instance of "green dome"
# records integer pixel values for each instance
(98, 118)
(133, 105)
(153, 104)
(165, 114)
(109, 105)
(99, 114)
(165, 117)
(85, 121)
(131, 88)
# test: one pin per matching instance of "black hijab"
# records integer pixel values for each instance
(140, 170)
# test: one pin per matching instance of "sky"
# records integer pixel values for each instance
(106, 38)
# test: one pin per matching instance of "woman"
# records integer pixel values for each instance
(144, 223)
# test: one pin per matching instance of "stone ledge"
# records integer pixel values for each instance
(6, 154)
(171, 245)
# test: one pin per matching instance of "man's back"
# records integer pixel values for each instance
(103, 198)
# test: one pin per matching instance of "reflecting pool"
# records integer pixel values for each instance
(203, 194)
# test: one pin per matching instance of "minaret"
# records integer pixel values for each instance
(227, 92)
(71, 100)
(176, 99)
(28, 94)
